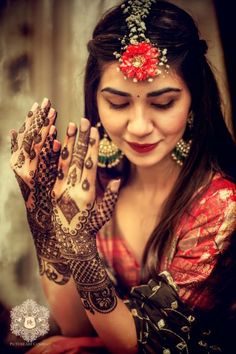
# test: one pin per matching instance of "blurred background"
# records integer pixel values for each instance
(43, 54)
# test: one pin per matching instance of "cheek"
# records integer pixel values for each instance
(174, 123)
(111, 121)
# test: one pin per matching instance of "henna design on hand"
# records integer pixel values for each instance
(14, 142)
(20, 160)
(37, 138)
(72, 178)
(94, 286)
(25, 189)
(57, 272)
(86, 185)
(34, 129)
(64, 153)
(68, 206)
(78, 156)
(32, 154)
(88, 163)
(92, 141)
(76, 230)
(60, 174)
(39, 214)
(22, 128)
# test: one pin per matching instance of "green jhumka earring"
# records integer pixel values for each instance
(108, 153)
(181, 151)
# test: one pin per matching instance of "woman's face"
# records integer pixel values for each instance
(145, 119)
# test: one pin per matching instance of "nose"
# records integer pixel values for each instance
(139, 124)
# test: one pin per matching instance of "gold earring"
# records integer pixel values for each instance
(190, 120)
(108, 153)
(182, 148)
(181, 151)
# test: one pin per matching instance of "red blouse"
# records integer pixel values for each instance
(199, 238)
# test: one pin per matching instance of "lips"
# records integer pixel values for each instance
(142, 148)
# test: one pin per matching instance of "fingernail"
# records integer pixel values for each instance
(84, 124)
(51, 112)
(93, 133)
(12, 132)
(34, 107)
(45, 102)
(52, 130)
(71, 130)
(114, 185)
(56, 145)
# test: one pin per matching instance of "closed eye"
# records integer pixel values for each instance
(118, 106)
(163, 106)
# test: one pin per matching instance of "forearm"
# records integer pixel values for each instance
(66, 307)
(60, 291)
(106, 311)
(116, 329)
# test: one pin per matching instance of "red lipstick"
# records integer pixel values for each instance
(142, 148)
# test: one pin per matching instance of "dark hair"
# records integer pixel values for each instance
(212, 148)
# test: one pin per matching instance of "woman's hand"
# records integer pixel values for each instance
(77, 217)
(34, 160)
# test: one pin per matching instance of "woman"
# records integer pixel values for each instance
(140, 267)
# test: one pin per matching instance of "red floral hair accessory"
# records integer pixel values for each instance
(139, 58)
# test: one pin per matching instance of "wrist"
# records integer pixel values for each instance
(93, 284)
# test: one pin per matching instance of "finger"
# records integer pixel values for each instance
(37, 147)
(80, 150)
(88, 178)
(18, 156)
(27, 123)
(66, 154)
(39, 120)
(106, 207)
(48, 163)
(14, 142)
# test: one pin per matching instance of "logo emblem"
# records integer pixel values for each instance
(29, 320)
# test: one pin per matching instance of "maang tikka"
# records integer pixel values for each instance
(139, 58)
(181, 151)
(108, 153)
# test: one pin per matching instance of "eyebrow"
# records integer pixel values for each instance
(150, 94)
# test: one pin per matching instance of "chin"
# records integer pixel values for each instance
(144, 161)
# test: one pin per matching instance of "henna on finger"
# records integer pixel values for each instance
(64, 153)
(60, 174)
(30, 113)
(86, 185)
(78, 156)
(72, 178)
(14, 141)
(33, 134)
(88, 163)
(20, 160)
(92, 141)
(22, 128)
(32, 154)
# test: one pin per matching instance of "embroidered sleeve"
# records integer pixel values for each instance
(165, 324)
(203, 236)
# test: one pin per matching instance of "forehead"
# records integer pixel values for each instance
(113, 78)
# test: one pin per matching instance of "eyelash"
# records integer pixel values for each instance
(158, 106)
(163, 106)
(118, 106)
